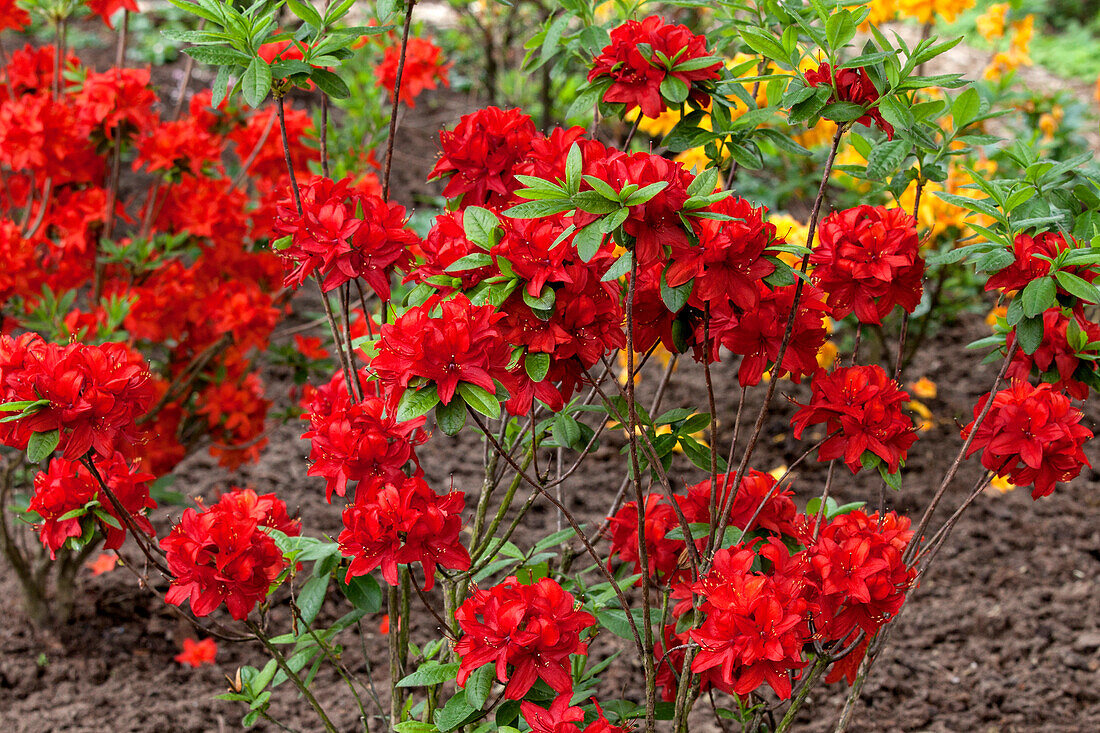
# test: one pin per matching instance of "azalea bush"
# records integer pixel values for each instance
(567, 264)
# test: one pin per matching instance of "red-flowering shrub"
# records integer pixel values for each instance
(532, 629)
(561, 717)
(1032, 434)
(642, 55)
(424, 69)
(397, 523)
(1056, 360)
(867, 260)
(12, 16)
(1028, 265)
(852, 85)
(861, 409)
(222, 554)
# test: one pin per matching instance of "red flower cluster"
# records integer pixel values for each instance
(1056, 360)
(462, 344)
(642, 55)
(424, 69)
(533, 629)
(12, 16)
(561, 717)
(755, 624)
(70, 501)
(867, 260)
(400, 522)
(856, 578)
(223, 554)
(357, 441)
(92, 394)
(480, 153)
(863, 407)
(106, 8)
(1032, 434)
(342, 234)
(1028, 266)
(852, 85)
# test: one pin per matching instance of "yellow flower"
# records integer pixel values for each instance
(881, 12)
(777, 472)
(998, 312)
(820, 134)
(991, 23)
(826, 355)
(1022, 33)
(1002, 484)
(924, 388)
(1049, 121)
(695, 159)
(790, 229)
(926, 10)
(657, 127)
(935, 216)
(850, 156)
(925, 423)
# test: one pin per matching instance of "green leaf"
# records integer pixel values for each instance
(479, 685)
(311, 597)
(414, 726)
(330, 83)
(536, 365)
(615, 621)
(480, 226)
(1078, 286)
(537, 209)
(451, 417)
(763, 44)
(415, 403)
(256, 82)
(218, 56)
(886, 158)
(675, 298)
(588, 241)
(1029, 333)
(965, 107)
(1038, 296)
(620, 268)
(545, 300)
(363, 592)
(567, 432)
(843, 111)
(573, 167)
(479, 399)
(430, 673)
(107, 519)
(470, 262)
(41, 445)
(674, 89)
(304, 10)
(456, 713)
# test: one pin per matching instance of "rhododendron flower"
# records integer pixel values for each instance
(852, 85)
(532, 629)
(728, 261)
(867, 260)
(632, 61)
(66, 487)
(863, 407)
(12, 16)
(856, 577)
(342, 234)
(197, 653)
(396, 523)
(662, 553)
(754, 626)
(561, 717)
(118, 101)
(107, 8)
(1056, 360)
(357, 441)
(462, 344)
(222, 554)
(424, 69)
(479, 154)
(1028, 264)
(311, 347)
(1032, 435)
(93, 393)
(104, 563)
(444, 245)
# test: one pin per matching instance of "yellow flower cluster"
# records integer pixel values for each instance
(991, 23)
(1049, 121)
(922, 10)
(935, 216)
(1018, 53)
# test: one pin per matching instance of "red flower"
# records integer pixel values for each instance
(106, 8)
(754, 626)
(462, 344)
(424, 68)
(342, 234)
(222, 554)
(757, 492)
(852, 85)
(863, 406)
(12, 16)
(94, 393)
(1057, 361)
(1027, 266)
(663, 554)
(728, 261)
(357, 441)
(70, 501)
(479, 154)
(632, 61)
(197, 653)
(856, 578)
(396, 523)
(311, 347)
(534, 629)
(561, 717)
(1031, 434)
(867, 260)
(118, 101)
(445, 244)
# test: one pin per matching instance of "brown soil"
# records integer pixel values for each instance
(1004, 634)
